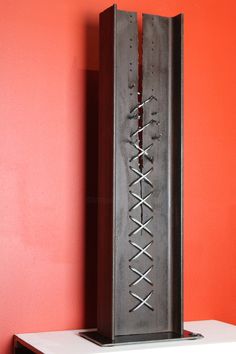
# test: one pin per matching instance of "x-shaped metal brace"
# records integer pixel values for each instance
(141, 226)
(142, 152)
(142, 301)
(141, 276)
(142, 176)
(141, 201)
(142, 250)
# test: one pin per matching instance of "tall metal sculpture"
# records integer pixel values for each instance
(140, 187)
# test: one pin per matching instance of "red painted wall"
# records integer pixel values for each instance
(48, 75)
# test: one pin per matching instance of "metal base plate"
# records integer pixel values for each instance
(97, 338)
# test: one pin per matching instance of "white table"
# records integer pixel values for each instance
(219, 337)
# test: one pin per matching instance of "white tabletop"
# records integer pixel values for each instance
(219, 337)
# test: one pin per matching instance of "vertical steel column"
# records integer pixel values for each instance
(162, 79)
(140, 166)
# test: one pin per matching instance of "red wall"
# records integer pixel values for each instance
(48, 75)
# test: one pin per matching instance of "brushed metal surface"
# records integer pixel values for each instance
(140, 200)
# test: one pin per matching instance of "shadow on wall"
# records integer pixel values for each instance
(91, 173)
